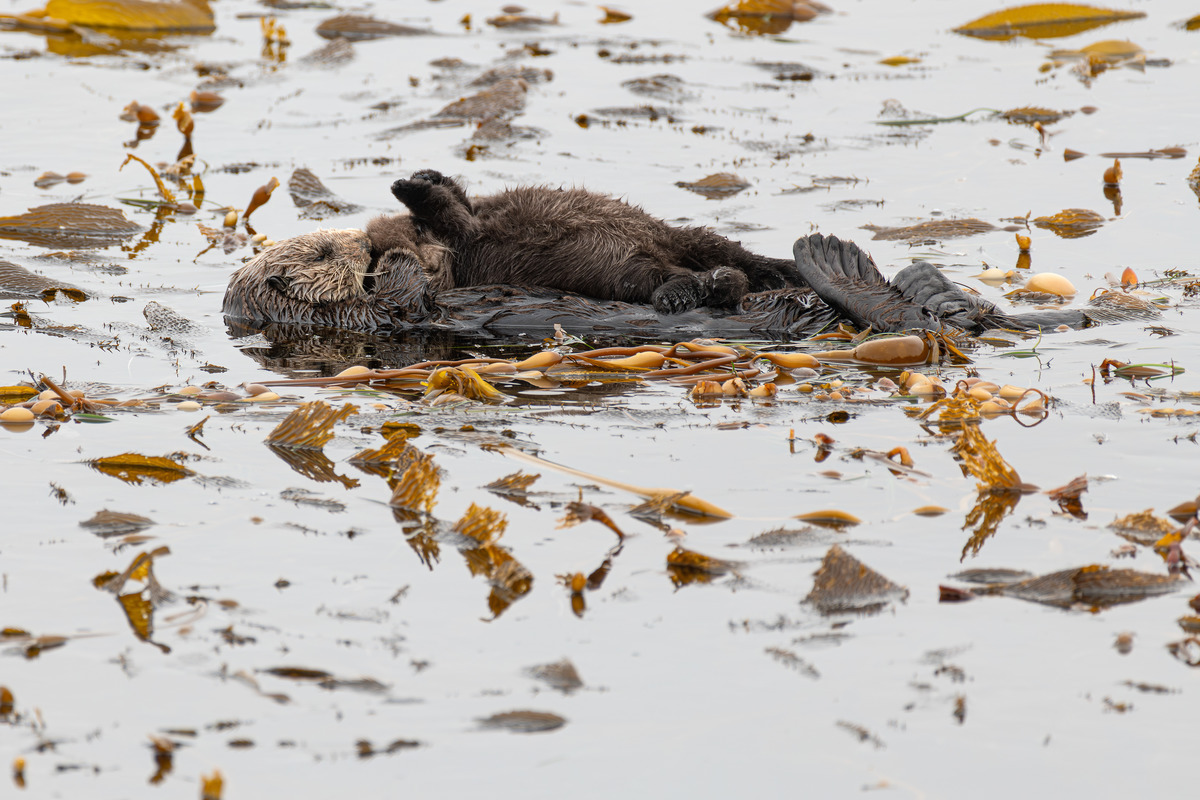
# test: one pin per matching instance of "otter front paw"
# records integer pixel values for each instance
(411, 190)
(764, 277)
(677, 295)
(724, 287)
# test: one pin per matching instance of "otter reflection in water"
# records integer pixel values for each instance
(526, 259)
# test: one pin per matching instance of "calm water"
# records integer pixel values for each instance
(711, 689)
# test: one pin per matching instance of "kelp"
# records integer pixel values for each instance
(69, 225)
(684, 501)
(1071, 223)
(139, 605)
(1094, 586)
(845, 584)
(1043, 21)
(133, 468)
(578, 512)
(523, 721)
(765, 17)
(309, 427)
(194, 16)
(932, 229)
(418, 482)
(687, 566)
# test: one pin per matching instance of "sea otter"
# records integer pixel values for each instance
(574, 240)
(329, 278)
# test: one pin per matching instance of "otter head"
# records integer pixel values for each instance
(319, 267)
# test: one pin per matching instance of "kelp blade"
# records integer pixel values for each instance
(135, 15)
(1043, 21)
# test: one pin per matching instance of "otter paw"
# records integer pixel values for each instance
(407, 190)
(765, 278)
(724, 287)
(431, 175)
(677, 296)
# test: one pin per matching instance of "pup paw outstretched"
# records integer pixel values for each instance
(410, 190)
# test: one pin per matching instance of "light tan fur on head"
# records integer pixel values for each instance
(322, 266)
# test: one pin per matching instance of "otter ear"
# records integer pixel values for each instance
(279, 283)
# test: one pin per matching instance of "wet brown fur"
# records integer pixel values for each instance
(330, 277)
(573, 240)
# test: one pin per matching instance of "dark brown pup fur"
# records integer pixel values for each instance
(573, 240)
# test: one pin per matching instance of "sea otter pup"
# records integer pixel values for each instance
(573, 240)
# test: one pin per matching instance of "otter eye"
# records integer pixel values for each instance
(279, 283)
(324, 251)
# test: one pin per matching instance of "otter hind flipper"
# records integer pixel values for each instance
(847, 279)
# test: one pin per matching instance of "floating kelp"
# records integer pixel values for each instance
(105, 523)
(521, 21)
(932, 230)
(16, 282)
(133, 468)
(312, 464)
(309, 427)
(1095, 586)
(1045, 283)
(981, 458)
(765, 16)
(260, 197)
(578, 512)
(524, 721)
(314, 199)
(481, 524)
(1069, 495)
(687, 566)
(1110, 51)
(69, 225)
(1043, 21)
(829, 517)
(1027, 115)
(1071, 223)
(892, 351)
(359, 28)
(504, 99)
(560, 675)
(513, 487)
(392, 450)
(845, 584)
(792, 661)
(1142, 527)
(418, 481)
(683, 502)
(133, 15)
(716, 186)
(139, 606)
